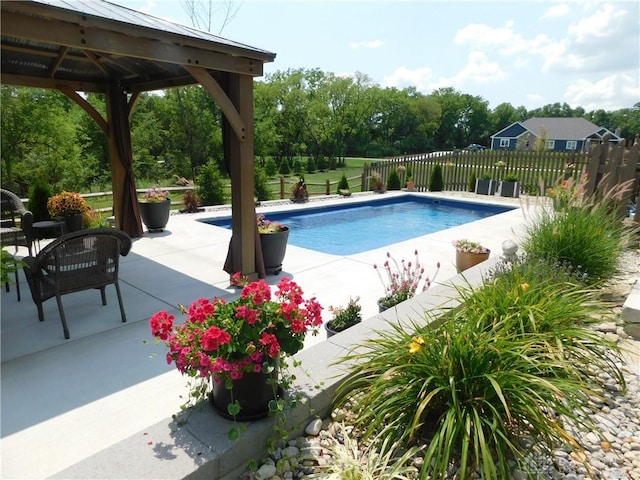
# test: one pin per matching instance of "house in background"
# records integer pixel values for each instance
(560, 134)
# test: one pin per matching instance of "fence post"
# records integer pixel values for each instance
(328, 187)
(281, 187)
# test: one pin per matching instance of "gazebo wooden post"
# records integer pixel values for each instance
(243, 211)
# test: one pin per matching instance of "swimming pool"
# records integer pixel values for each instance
(358, 227)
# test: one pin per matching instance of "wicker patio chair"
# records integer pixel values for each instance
(15, 233)
(75, 262)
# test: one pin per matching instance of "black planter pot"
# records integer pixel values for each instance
(331, 332)
(509, 189)
(253, 391)
(155, 215)
(72, 223)
(485, 187)
(274, 247)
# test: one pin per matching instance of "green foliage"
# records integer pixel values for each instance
(511, 177)
(469, 385)
(393, 182)
(471, 186)
(261, 189)
(8, 265)
(270, 167)
(284, 167)
(298, 168)
(586, 235)
(436, 183)
(311, 165)
(345, 317)
(343, 184)
(39, 194)
(211, 185)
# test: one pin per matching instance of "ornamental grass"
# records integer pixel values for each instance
(582, 231)
(509, 370)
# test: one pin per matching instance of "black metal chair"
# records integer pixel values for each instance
(75, 262)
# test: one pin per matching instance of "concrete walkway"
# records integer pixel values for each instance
(100, 405)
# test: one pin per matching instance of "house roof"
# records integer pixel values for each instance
(562, 128)
(87, 44)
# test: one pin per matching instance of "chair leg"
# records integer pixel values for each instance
(40, 311)
(103, 294)
(124, 316)
(17, 284)
(64, 320)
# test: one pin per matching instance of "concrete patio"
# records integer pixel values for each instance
(100, 405)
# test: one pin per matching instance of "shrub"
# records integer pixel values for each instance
(285, 169)
(261, 189)
(311, 165)
(270, 167)
(471, 186)
(468, 386)
(343, 184)
(191, 201)
(511, 177)
(393, 182)
(39, 193)
(211, 185)
(436, 183)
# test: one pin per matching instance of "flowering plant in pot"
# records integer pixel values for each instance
(69, 207)
(299, 191)
(225, 344)
(344, 317)
(403, 280)
(65, 204)
(268, 226)
(155, 195)
(155, 208)
(469, 253)
(273, 241)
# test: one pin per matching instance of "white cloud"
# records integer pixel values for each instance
(422, 79)
(479, 69)
(366, 44)
(606, 40)
(556, 11)
(609, 93)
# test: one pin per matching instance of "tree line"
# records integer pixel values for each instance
(298, 113)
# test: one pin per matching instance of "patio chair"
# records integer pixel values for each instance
(13, 233)
(75, 262)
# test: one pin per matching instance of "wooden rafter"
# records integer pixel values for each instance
(54, 67)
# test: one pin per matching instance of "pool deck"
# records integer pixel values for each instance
(100, 405)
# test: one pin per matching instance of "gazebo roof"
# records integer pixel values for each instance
(85, 45)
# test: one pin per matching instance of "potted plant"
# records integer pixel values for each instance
(235, 350)
(343, 317)
(485, 185)
(469, 253)
(68, 207)
(155, 207)
(273, 240)
(377, 185)
(402, 280)
(509, 186)
(299, 193)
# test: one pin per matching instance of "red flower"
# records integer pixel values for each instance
(161, 325)
(214, 337)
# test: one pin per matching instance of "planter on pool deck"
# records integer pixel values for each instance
(274, 247)
(155, 215)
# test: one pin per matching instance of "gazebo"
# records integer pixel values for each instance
(97, 46)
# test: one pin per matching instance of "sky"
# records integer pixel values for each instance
(527, 53)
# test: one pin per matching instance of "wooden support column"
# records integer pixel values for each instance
(243, 247)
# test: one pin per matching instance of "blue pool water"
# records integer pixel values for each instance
(355, 228)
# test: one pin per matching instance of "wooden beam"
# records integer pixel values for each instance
(100, 40)
(216, 91)
(131, 30)
(54, 68)
(96, 61)
(87, 107)
(35, 82)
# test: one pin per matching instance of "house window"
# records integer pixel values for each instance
(550, 145)
(504, 142)
(572, 144)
